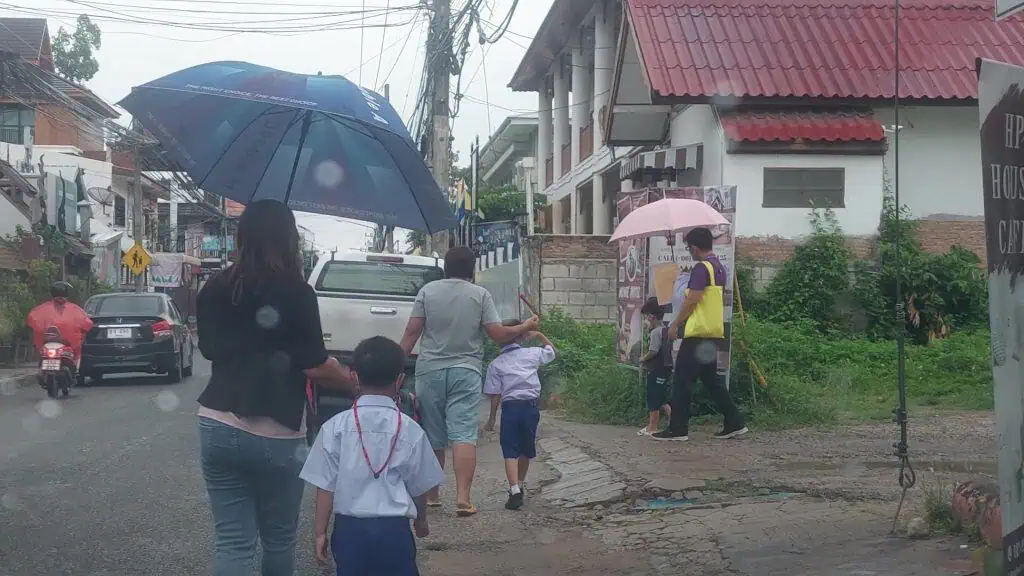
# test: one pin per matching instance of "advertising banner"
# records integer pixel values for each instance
(671, 265)
(490, 236)
(631, 285)
(1001, 106)
(165, 271)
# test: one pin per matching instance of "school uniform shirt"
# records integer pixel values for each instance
(513, 374)
(336, 462)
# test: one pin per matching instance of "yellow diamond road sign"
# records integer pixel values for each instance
(137, 259)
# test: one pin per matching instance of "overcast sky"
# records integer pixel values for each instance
(146, 39)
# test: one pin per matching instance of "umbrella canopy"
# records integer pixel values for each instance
(319, 143)
(668, 216)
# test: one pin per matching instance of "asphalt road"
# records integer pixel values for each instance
(107, 482)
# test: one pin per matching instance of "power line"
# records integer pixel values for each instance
(383, 36)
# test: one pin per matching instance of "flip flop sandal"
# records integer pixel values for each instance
(433, 503)
(643, 432)
(465, 510)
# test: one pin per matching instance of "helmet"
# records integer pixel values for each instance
(60, 289)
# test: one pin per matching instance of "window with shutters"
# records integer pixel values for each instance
(804, 188)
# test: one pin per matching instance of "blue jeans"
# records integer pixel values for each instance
(255, 494)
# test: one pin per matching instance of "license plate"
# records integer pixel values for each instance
(51, 364)
(118, 333)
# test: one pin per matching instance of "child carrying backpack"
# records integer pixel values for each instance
(658, 364)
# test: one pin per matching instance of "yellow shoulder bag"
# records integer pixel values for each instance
(708, 318)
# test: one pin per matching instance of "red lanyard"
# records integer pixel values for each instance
(366, 455)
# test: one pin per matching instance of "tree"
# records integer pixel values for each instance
(73, 53)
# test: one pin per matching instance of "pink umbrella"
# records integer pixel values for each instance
(668, 216)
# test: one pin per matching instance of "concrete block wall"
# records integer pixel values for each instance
(576, 274)
(584, 290)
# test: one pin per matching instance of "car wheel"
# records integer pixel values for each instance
(190, 369)
(81, 380)
(175, 375)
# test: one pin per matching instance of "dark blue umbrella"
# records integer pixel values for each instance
(319, 143)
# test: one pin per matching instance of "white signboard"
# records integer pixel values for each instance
(1001, 104)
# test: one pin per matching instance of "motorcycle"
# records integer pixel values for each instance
(57, 365)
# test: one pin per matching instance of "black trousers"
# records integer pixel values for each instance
(697, 358)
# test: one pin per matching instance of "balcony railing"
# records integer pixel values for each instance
(12, 135)
(586, 141)
(549, 171)
(566, 159)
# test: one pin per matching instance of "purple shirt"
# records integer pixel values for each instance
(513, 374)
(699, 279)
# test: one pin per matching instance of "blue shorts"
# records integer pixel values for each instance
(449, 405)
(519, 420)
(378, 546)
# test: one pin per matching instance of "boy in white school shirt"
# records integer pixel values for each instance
(372, 466)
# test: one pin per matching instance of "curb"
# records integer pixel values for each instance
(977, 502)
(12, 384)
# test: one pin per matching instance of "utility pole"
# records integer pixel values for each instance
(223, 232)
(439, 50)
(475, 168)
(138, 226)
(384, 236)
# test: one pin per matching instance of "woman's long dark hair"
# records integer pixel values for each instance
(268, 247)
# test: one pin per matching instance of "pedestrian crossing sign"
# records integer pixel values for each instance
(137, 259)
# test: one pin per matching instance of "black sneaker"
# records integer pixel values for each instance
(669, 435)
(727, 433)
(515, 501)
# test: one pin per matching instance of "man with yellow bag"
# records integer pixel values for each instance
(701, 325)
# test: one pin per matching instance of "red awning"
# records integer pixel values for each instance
(789, 126)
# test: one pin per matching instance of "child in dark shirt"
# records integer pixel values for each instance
(657, 361)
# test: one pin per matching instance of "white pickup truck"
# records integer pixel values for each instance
(362, 294)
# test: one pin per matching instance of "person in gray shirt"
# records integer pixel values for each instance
(450, 320)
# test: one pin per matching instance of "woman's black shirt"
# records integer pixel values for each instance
(259, 346)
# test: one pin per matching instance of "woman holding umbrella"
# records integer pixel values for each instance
(259, 325)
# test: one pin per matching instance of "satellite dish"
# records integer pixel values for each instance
(101, 195)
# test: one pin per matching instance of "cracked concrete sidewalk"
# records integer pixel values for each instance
(603, 501)
(798, 502)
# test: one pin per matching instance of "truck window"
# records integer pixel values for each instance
(378, 278)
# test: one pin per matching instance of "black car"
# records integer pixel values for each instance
(136, 333)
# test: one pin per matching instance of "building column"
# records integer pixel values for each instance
(601, 213)
(604, 53)
(580, 108)
(561, 117)
(543, 145)
(556, 217)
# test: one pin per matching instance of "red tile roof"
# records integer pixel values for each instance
(789, 126)
(819, 48)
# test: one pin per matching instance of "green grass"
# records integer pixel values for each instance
(812, 379)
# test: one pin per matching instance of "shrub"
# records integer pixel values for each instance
(941, 292)
(809, 286)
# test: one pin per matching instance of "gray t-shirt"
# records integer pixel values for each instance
(456, 312)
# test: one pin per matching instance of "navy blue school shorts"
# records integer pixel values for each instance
(657, 390)
(377, 546)
(519, 420)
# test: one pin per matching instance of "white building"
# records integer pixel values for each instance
(792, 109)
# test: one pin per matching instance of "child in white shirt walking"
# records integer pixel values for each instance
(372, 466)
(513, 381)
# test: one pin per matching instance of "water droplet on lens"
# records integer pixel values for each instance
(167, 401)
(48, 409)
(31, 423)
(10, 501)
(280, 361)
(301, 452)
(268, 317)
(329, 174)
(706, 353)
